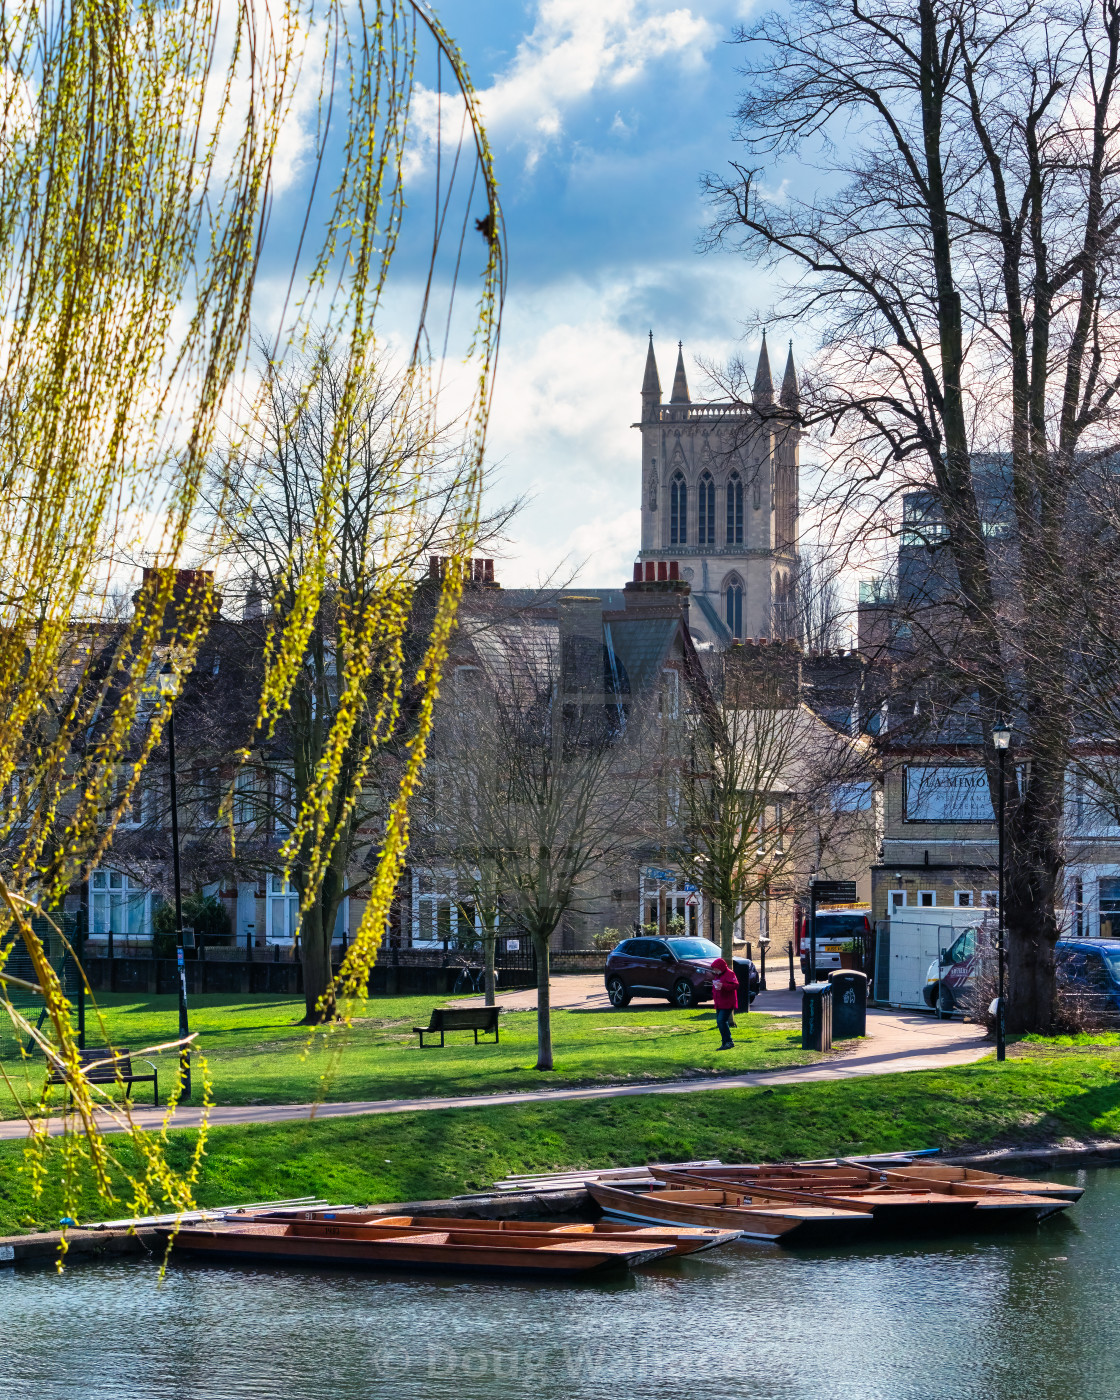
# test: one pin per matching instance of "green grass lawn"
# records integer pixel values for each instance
(410, 1156)
(258, 1054)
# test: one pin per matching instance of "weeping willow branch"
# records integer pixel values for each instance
(140, 184)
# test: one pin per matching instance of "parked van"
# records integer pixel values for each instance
(835, 928)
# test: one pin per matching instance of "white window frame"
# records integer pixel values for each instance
(282, 800)
(989, 899)
(104, 909)
(444, 890)
(964, 899)
(896, 899)
(287, 897)
(927, 903)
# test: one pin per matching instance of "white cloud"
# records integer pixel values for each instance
(568, 389)
(576, 48)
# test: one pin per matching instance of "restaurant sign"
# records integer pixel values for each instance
(947, 793)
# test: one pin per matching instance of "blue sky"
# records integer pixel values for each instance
(603, 115)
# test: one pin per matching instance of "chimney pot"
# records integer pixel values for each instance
(651, 571)
(674, 569)
(637, 573)
(662, 571)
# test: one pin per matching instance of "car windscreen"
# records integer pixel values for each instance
(1112, 961)
(840, 925)
(693, 948)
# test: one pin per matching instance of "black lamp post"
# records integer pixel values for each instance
(169, 688)
(1001, 742)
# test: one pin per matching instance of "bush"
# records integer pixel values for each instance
(202, 912)
(605, 941)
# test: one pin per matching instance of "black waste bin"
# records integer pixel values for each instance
(849, 1004)
(816, 1016)
(747, 974)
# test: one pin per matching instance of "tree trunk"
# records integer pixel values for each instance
(315, 946)
(544, 1004)
(489, 938)
(726, 934)
(1031, 929)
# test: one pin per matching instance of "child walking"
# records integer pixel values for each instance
(725, 994)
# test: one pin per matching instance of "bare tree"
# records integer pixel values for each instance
(555, 794)
(396, 487)
(962, 265)
(819, 608)
(770, 789)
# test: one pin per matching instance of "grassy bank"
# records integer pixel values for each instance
(258, 1054)
(1040, 1095)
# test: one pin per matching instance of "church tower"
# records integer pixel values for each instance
(720, 496)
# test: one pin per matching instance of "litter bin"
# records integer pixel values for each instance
(748, 981)
(816, 1016)
(849, 1004)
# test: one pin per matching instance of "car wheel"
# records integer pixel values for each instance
(684, 993)
(931, 995)
(616, 990)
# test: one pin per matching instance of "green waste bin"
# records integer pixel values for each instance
(816, 1016)
(849, 1004)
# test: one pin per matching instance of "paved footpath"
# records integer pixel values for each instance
(896, 1041)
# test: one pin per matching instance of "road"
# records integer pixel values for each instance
(897, 1041)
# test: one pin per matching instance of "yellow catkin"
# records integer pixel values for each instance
(138, 144)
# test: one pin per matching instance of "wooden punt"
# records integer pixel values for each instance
(857, 1169)
(308, 1242)
(777, 1222)
(683, 1240)
(899, 1207)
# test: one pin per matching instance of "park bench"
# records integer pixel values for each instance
(108, 1068)
(469, 1018)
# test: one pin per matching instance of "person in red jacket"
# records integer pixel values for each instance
(725, 994)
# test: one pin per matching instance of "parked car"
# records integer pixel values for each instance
(1089, 967)
(679, 969)
(834, 929)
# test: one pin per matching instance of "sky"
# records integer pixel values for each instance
(603, 115)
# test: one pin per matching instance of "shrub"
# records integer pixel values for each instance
(202, 912)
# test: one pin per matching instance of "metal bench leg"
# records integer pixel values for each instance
(155, 1090)
(476, 1035)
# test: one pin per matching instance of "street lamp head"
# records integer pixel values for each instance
(169, 681)
(1001, 734)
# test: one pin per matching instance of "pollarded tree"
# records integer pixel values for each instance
(961, 263)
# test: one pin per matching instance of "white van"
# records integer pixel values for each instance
(835, 929)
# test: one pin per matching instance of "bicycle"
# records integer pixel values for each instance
(471, 979)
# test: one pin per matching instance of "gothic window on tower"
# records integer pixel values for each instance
(678, 510)
(733, 594)
(734, 509)
(706, 510)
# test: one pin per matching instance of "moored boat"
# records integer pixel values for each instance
(380, 1247)
(684, 1239)
(755, 1216)
(898, 1207)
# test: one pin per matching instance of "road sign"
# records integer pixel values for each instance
(691, 889)
(839, 891)
(692, 901)
(652, 874)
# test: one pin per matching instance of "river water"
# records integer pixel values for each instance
(1030, 1316)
